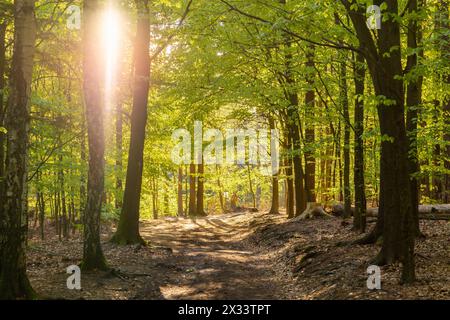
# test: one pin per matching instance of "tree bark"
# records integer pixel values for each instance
(359, 218)
(200, 211)
(343, 88)
(119, 154)
(289, 179)
(413, 102)
(83, 197)
(310, 162)
(3, 26)
(128, 228)
(275, 207)
(192, 196)
(92, 251)
(14, 283)
(384, 61)
(294, 133)
(180, 191)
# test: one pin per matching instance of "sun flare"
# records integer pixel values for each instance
(111, 39)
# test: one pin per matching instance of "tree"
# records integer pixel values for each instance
(14, 283)
(359, 219)
(413, 102)
(128, 228)
(192, 194)
(200, 211)
(275, 204)
(3, 26)
(180, 192)
(384, 62)
(310, 162)
(92, 74)
(343, 95)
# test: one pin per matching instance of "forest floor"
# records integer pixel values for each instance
(239, 256)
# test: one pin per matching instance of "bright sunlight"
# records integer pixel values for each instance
(111, 37)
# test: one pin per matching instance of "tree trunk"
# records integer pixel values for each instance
(395, 191)
(154, 198)
(180, 191)
(219, 185)
(343, 88)
(200, 190)
(64, 222)
(14, 283)
(41, 215)
(250, 185)
(293, 123)
(275, 207)
(359, 218)
(119, 154)
(192, 197)
(128, 228)
(310, 162)
(2, 108)
(83, 196)
(186, 187)
(92, 74)
(289, 180)
(413, 102)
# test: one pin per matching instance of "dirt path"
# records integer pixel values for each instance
(238, 256)
(205, 258)
(210, 260)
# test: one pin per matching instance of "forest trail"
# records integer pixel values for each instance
(203, 258)
(211, 259)
(237, 256)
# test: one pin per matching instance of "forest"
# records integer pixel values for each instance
(224, 149)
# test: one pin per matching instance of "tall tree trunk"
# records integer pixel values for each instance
(413, 101)
(92, 74)
(186, 187)
(180, 191)
(3, 26)
(192, 196)
(14, 283)
(293, 124)
(119, 154)
(310, 162)
(64, 222)
(436, 182)
(41, 215)
(294, 133)
(289, 179)
(359, 218)
(275, 207)
(250, 185)
(83, 196)
(343, 88)
(385, 67)
(128, 228)
(200, 190)
(154, 198)
(328, 166)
